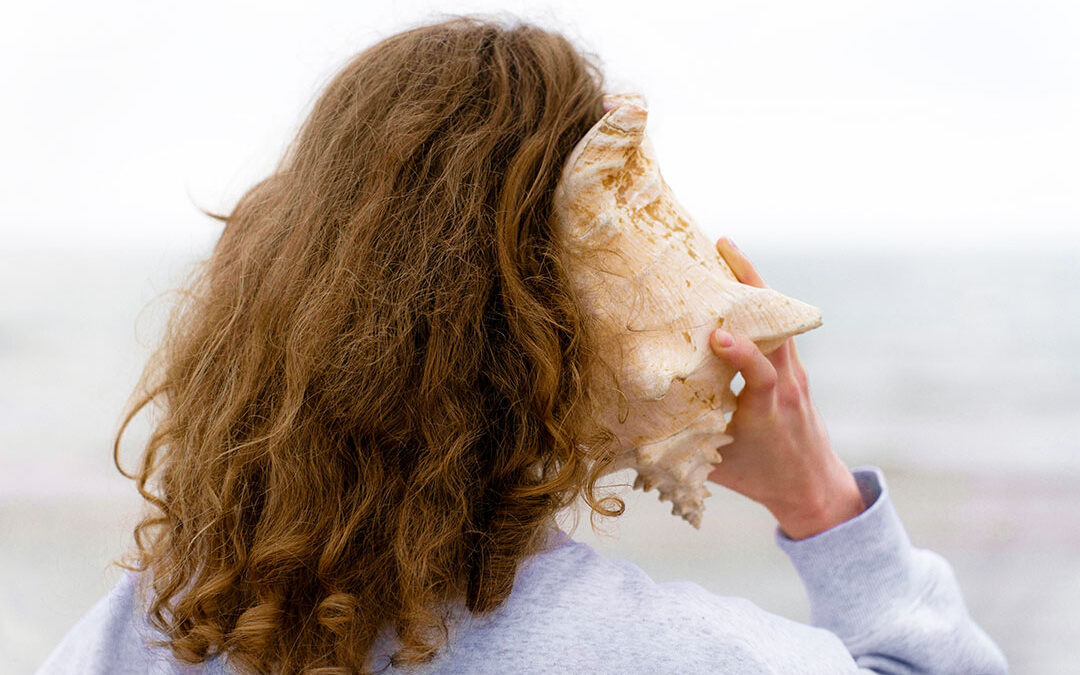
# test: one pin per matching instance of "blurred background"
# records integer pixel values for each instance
(911, 168)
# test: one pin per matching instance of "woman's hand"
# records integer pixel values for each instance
(781, 456)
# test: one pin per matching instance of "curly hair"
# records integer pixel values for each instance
(372, 392)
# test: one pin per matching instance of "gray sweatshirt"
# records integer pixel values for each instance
(877, 605)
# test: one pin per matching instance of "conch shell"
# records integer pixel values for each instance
(656, 288)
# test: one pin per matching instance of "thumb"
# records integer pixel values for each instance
(745, 357)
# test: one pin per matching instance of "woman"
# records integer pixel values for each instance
(373, 409)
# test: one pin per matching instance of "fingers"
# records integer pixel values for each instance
(743, 355)
(796, 367)
(739, 263)
(782, 360)
(785, 359)
(781, 356)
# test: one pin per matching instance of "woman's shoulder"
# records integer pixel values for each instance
(101, 635)
(577, 609)
(113, 637)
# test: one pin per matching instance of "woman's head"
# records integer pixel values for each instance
(372, 395)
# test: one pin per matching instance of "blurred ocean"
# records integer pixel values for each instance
(956, 372)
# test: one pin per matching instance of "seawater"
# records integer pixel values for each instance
(928, 360)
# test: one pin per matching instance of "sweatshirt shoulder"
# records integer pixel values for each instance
(114, 638)
(633, 624)
(102, 639)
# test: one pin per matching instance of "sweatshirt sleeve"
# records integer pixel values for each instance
(897, 608)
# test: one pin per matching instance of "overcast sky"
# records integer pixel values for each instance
(830, 123)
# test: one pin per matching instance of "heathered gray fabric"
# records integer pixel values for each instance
(878, 605)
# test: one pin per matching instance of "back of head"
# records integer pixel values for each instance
(372, 394)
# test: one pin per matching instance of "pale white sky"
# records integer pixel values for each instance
(838, 123)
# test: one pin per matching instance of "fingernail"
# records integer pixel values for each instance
(733, 245)
(723, 338)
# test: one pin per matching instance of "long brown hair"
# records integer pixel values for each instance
(373, 394)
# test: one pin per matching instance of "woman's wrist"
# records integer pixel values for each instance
(837, 504)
